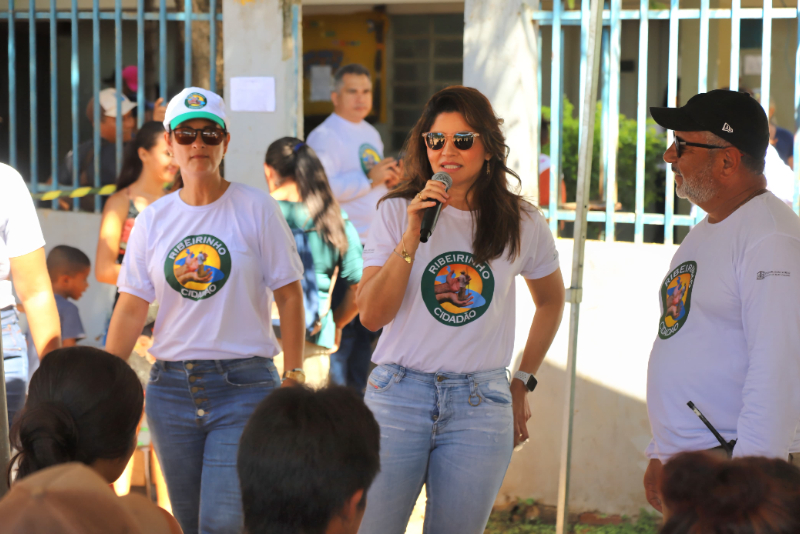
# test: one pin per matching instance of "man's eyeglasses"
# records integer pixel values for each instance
(210, 135)
(461, 140)
(680, 144)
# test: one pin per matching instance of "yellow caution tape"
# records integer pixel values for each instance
(76, 193)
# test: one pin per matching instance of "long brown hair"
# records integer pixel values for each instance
(147, 137)
(293, 159)
(496, 219)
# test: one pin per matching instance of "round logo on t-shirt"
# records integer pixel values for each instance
(369, 157)
(198, 266)
(456, 290)
(676, 297)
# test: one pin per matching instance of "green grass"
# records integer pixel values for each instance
(503, 523)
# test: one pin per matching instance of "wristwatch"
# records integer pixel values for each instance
(298, 375)
(528, 379)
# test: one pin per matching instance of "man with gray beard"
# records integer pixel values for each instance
(729, 334)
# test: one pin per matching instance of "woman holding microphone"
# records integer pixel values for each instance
(208, 253)
(449, 417)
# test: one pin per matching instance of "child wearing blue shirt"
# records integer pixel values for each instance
(69, 270)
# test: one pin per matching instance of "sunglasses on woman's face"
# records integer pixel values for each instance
(210, 135)
(461, 140)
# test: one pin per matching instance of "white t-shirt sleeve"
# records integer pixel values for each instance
(281, 264)
(134, 277)
(770, 290)
(386, 232)
(541, 256)
(345, 186)
(22, 232)
(650, 451)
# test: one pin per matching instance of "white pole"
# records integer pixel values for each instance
(574, 293)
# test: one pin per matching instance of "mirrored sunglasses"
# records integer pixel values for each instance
(461, 140)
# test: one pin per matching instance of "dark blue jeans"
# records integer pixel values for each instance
(15, 363)
(350, 364)
(197, 411)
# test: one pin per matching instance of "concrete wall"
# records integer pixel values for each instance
(254, 46)
(499, 61)
(618, 321)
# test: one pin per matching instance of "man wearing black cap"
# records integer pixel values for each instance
(729, 335)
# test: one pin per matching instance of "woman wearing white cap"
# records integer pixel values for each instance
(214, 357)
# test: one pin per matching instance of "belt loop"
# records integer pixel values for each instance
(473, 391)
(220, 367)
(401, 372)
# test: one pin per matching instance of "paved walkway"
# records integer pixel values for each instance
(418, 515)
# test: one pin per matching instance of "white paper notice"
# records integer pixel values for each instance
(752, 65)
(253, 94)
(321, 83)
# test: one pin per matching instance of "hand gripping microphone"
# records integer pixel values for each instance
(432, 214)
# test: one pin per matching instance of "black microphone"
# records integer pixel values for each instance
(432, 214)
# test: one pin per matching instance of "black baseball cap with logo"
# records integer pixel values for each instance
(736, 117)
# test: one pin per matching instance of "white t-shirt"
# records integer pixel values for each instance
(729, 336)
(210, 268)
(20, 232)
(471, 328)
(348, 151)
(780, 177)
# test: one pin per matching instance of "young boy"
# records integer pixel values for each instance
(69, 269)
(306, 461)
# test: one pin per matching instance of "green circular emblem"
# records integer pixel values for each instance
(676, 298)
(198, 266)
(195, 101)
(369, 157)
(456, 290)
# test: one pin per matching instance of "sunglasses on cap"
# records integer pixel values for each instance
(211, 136)
(461, 140)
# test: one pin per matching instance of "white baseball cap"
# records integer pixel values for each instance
(108, 101)
(194, 103)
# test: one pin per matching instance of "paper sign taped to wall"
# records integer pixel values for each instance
(321, 83)
(752, 65)
(253, 94)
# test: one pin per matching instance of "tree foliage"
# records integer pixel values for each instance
(654, 169)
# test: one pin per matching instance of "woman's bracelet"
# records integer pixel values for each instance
(402, 257)
(405, 255)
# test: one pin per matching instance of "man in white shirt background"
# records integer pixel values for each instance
(351, 151)
(729, 332)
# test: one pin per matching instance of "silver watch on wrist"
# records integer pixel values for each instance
(528, 379)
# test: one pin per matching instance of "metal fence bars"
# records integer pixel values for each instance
(613, 15)
(12, 15)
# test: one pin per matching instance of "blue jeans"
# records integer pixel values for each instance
(452, 432)
(350, 364)
(197, 411)
(15, 363)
